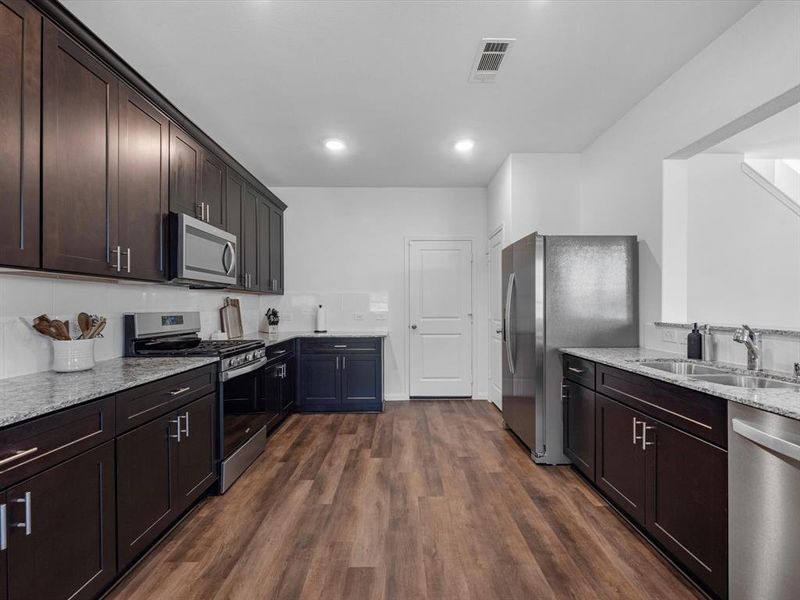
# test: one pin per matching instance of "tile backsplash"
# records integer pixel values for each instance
(24, 296)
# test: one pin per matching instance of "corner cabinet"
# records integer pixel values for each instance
(20, 87)
(660, 456)
(340, 374)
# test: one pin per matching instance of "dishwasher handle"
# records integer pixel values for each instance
(767, 440)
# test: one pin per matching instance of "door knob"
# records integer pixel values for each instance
(498, 331)
(414, 326)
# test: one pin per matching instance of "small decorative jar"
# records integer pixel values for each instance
(272, 332)
(73, 355)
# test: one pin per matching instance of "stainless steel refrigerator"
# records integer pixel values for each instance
(560, 291)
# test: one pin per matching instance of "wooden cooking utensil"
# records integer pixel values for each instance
(98, 329)
(84, 323)
(61, 329)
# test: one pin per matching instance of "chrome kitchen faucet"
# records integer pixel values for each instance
(752, 341)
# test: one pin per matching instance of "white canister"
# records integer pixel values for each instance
(73, 355)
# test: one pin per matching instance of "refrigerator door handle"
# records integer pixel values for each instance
(507, 329)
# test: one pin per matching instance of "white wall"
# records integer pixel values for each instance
(345, 247)
(535, 192)
(621, 186)
(744, 248)
(22, 297)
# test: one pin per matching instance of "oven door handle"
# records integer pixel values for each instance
(226, 375)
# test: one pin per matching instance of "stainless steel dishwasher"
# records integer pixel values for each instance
(763, 502)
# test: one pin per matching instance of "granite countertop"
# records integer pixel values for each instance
(785, 402)
(284, 336)
(37, 394)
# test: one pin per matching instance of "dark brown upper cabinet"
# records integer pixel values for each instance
(143, 188)
(20, 114)
(264, 262)
(197, 179)
(251, 246)
(276, 250)
(79, 158)
(234, 206)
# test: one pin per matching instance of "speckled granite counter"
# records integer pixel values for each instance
(784, 402)
(290, 335)
(28, 396)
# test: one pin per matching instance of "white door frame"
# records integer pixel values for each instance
(498, 231)
(407, 300)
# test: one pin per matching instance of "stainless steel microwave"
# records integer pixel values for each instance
(201, 255)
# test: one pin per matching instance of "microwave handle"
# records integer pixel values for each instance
(229, 246)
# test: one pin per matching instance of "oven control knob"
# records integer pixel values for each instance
(249, 356)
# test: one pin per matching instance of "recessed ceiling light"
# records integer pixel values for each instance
(335, 145)
(464, 145)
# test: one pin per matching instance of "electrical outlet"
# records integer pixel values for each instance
(670, 335)
(381, 316)
(358, 316)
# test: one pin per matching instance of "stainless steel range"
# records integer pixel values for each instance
(242, 415)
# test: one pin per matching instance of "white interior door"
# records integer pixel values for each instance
(440, 311)
(496, 319)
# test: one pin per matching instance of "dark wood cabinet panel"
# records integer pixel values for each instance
(79, 153)
(20, 117)
(579, 427)
(361, 380)
(620, 457)
(213, 183)
(276, 250)
(195, 467)
(579, 370)
(250, 242)
(263, 246)
(4, 557)
(234, 207)
(687, 502)
(185, 162)
(148, 498)
(319, 381)
(143, 187)
(68, 551)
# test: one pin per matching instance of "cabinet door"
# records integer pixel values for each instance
(212, 188)
(579, 427)
(185, 161)
(264, 265)
(234, 205)
(319, 382)
(79, 157)
(361, 381)
(687, 502)
(250, 243)
(289, 384)
(196, 470)
(620, 458)
(4, 551)
(20, 88)
(276, 250)
(147, 501)
(273, 394)
(143, 186)
(66, 545)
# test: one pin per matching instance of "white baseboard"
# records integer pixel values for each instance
(403, 397)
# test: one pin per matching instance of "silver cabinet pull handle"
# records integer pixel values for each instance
(344, 362)
(118, 252)
(645, 429)
(340, 345)
(3, 527)
(17, 455)
(26, 524)
(177, 434)
(202, 211)
(578, 371)
(185, 423)
(337, 363)
(129, 260)
(180, 391)
(636, 423)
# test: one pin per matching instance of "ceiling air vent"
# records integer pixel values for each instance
(491, 52)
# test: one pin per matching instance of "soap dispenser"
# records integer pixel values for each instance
(322, 326)
(694, 344)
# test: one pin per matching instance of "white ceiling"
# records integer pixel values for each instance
(775, 137)
(271, 80)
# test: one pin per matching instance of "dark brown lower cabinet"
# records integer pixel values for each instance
(61, 529)
(620, 466)
(162, 468)
(146, 484)
(687, 501)
(579, 427)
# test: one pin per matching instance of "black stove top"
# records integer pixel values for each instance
(197, 348)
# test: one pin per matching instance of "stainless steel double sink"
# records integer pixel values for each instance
(720, 375)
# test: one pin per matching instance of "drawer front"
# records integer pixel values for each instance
(579, 370)
(46, 441)
(146, 402)
(280, 351)
(694, 412)
(340, 345)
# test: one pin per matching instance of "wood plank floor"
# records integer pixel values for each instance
(430, 500)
